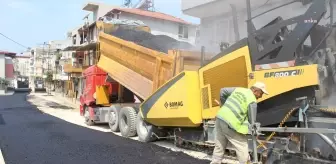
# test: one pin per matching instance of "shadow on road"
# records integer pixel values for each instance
(28, 135)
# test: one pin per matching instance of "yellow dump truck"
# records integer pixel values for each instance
(139, 71)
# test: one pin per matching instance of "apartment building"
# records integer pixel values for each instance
(160, 23)
(58, 58)
(44, 59)
(218, 18)
(21, 64)
(84, 40)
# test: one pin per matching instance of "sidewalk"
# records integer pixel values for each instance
(59, 98)
(8, 93)
(72, 101)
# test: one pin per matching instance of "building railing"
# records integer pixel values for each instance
(76, 68)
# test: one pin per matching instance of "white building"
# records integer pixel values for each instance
(58, 57)
(84, 40)
(159, 23)
(43, 59)
(98, 10)
(22, 64)
(6, 64)
(6, 68)
(217, 17)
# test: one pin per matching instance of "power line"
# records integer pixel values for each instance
(13, 40)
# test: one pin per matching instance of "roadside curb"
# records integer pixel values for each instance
(2, 160)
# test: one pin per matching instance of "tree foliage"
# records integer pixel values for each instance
(58, 56)
(49, 77)
(4, 81)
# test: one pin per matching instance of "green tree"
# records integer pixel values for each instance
(4, 81)
(49, 77)
(58, 56)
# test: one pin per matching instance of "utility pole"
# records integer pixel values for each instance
(45, 60)
(48, 67)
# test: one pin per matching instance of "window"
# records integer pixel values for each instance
(198, 34)
(74, 40)
(183, 31)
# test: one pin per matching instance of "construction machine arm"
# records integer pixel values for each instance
(268, 45)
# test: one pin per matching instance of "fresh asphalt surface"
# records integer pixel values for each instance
(28, 136)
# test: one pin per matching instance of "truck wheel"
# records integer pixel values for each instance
(145, 131)
(127, 119)
(114, 118)
(87, 119)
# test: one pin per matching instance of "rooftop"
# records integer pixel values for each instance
(152, 14)
(7, 53)
(91, 6)
(22, 56)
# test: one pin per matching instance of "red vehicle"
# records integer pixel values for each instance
(92, 111)
(102, 97)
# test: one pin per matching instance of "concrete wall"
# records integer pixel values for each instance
(163, 27)
(9, 70)
(74, 33)
(187, 4)
(207, 8)
(101, 11)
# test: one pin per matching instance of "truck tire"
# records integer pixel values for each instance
(87, 118)
(127, 122)
(114, 118)
(145, 131)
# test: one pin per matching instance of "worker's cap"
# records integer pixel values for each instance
(261, 86)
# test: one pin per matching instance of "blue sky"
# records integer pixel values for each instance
(32, 22)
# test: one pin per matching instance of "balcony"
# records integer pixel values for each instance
(68, 68)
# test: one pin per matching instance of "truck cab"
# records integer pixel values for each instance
(100, 91)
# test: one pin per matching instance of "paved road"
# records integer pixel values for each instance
(28, 136)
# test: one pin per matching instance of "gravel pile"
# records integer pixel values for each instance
(160, 43)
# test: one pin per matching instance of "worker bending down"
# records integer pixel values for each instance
(232, 120)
